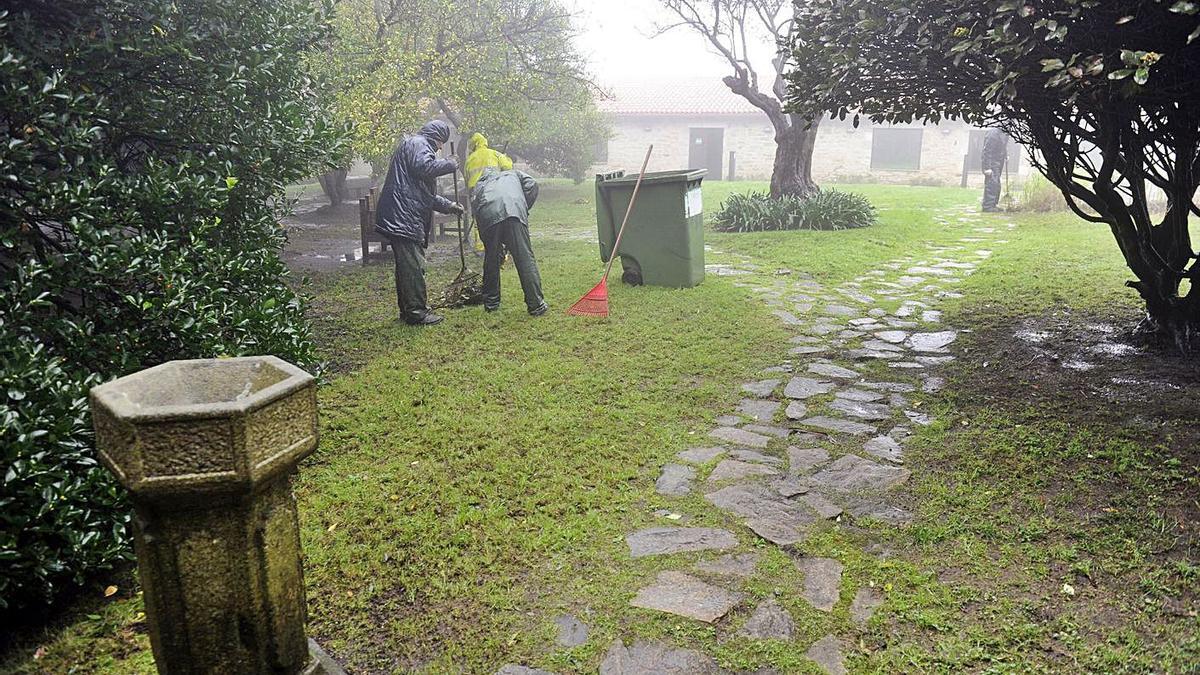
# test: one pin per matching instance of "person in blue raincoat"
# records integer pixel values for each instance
(405, 215)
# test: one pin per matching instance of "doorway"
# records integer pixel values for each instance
(706, 151)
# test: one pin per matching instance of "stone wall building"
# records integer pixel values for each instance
(699, 123)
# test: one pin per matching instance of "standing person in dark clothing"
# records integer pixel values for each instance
(995, 156)
(501, 201)
(405, 215)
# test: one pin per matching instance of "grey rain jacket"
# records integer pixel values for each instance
(409, 195)
(500, 195)
(995, 150)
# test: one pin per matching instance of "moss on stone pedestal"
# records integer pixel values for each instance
(207, 450)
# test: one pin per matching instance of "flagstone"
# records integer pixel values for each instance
(768, 514)
(885, 447)
(861, 409)
(851, 473)
(684, 595)
(831, 370)
(894, 387)
(796, 411)
(822, 581)
(762, 388)
(731, 565)
(732, 469)
(860, 395)
(803, 459)
(571, 631)
(700, 455)
(827, 653)
(769, 622)
(670, 540)
(887, 513)
(839, 425)
(759, 409)
(740, 437)
(747, 455)
(807, 387)
(767, 430)
(676, 480)
(788, 318)
(824, 508)
(884, 345)
(866, 601)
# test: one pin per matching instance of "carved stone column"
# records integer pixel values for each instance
(207, 450)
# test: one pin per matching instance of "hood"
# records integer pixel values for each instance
(478, 142)
(437, 131)
(488, 174)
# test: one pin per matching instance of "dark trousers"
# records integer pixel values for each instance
(411, 294)
(513, 235)
(991, 190)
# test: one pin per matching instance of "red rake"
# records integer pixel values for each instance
(595, 303)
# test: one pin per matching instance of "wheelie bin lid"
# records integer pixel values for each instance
(620, 178)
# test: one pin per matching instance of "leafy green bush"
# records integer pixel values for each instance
(827, 210)
(149, 144)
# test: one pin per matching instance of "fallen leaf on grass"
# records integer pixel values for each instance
(110, 591)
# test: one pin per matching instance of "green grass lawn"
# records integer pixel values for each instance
(476, 480)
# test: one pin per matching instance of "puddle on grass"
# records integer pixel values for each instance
(1113, 349)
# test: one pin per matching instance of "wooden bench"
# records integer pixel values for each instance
(366, 225)
(367, 207)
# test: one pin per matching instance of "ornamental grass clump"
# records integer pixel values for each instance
(826, 210)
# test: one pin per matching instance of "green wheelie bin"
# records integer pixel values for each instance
(664, 241)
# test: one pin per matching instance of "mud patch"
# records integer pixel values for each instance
(1093, 356)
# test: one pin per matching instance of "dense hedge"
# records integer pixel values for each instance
(147, 146)
(826, 210)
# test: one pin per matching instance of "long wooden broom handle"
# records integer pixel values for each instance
(621, 233)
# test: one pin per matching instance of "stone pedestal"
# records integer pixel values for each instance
(207, 450)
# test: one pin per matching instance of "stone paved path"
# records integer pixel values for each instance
(862, 356)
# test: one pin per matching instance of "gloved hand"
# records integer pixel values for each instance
(457, 209)
(988, 173)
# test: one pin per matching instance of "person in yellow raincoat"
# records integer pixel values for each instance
(482, 157)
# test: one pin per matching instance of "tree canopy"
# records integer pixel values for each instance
(730, 27)
(1107, 93)
(148, 145)
(501, 67)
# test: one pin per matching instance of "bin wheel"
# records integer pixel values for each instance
(632, 276)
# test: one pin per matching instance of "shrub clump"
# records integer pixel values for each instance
(1039, 195)
(827, 210)
(148, 148)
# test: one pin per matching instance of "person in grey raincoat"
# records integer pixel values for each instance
(405, 215)
(995, 155)
(501, 201)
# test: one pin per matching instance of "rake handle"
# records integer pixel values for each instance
(637, 186)
(462, 253)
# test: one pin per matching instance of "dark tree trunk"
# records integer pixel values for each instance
(794, 140)
(792, 173)
(1160, 263)
(1158, 252)
(334, 186)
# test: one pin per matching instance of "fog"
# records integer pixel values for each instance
(617, 38)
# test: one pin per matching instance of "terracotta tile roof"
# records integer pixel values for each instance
(684, 96)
